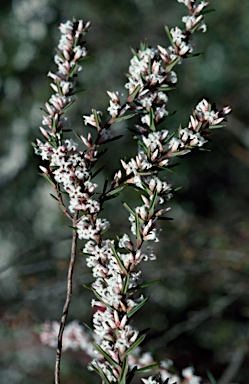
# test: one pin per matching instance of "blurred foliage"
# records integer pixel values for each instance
(199, 312)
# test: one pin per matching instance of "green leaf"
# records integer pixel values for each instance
(67, 106)
(129, 209)
(135, 344)
(137, 307)
(88, 287)
(204, 149)
(134, 93)
(73, 70)
(207, 11)
(53, 125)
(96, 118)
(121, 265)
(46, 177)
(115, 191)
(74, 228)
(192, 30)
(106, 356)
(152, 366)
(126, 284)
(152, 123)
(126, 117)
(211, 378)
(215, 126)
(169, 35)
(145, 285)
(100, 298)
(180, 153)
(199, 126)
(100, 373)
(171, 65)
(166, 89)
(168, 138)
(152, 204)
(124, 371)
(135, 54)
(178, 188)
(137, 223)
(143, 45)
(189, 55)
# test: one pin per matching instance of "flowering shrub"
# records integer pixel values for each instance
(72, 171)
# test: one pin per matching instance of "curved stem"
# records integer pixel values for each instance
(67, 301)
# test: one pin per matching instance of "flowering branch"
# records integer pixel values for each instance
(115, 264)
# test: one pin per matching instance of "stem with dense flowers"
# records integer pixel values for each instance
(114, 264)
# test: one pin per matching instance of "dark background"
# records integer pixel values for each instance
(199, 313)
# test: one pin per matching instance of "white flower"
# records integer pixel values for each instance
(113, 108)
(188, 373)
(150, 380)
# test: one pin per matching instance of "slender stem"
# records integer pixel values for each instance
(67, 301)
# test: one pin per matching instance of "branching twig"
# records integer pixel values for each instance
(67, 302)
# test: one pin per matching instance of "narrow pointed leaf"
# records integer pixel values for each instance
(138, 233)
(115, 191)
(152, 366)
(137, 307)
(129, 209)
(152, 204)
(177, 189)
(166, 89)
(199, 126)
(47, 178)
(88, 287)
(211, 378)
(152, 123)
(100, 373)
(215, 126)
(68, 106)
(96, 118)
(121, 265)
(126, 284)
(134, 93)
(180, 153)
(135, 344)
(106, 356)
(124, 371)
(145, 285)
(126, 117)
(207, 11)
(171, 65)
(169, 35)
(100, 298)
(192, 30)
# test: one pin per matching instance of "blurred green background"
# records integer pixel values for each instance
(199, 313)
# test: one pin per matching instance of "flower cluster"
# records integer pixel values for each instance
(74, 338)
(150, 71)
